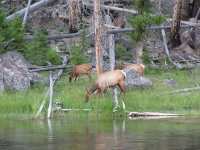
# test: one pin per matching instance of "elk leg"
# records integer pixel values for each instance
(122, 88)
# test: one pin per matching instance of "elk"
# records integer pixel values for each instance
(139, 68)
(107, 80)
(78, 70)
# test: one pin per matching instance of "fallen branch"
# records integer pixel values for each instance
(57, 37)
(113, 31)
(39, 69)
(72, 109)
(167, 50)
(33, 8)
(134, 12)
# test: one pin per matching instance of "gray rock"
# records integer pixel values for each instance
(170, 82)
(14, 72)
(134, 80)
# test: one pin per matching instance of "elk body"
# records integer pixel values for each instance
(79, 70)
(139, 68)
(106, 80)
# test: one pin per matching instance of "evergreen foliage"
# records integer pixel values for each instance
(122, 53)
(140, 22)
(77, 55)
(12, 38)
(38, 52)
(11, 34)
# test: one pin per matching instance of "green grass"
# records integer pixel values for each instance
(151, 99)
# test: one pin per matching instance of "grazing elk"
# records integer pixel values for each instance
(106, 80)
(78, 70)
(139, 68)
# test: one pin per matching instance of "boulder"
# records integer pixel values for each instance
(134, 80)
(14, 72)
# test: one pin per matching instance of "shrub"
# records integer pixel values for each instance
(11, 35)
(38, 52)
(77, 55)
(140, 22)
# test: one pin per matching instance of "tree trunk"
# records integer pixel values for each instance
(74, 13)
(98, 36)
(176, 22)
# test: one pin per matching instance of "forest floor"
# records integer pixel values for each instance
(155, 99)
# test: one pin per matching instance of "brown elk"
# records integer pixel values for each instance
(139, 68)
(78, 70)
(106, 80)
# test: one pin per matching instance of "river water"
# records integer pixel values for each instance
(95, 134)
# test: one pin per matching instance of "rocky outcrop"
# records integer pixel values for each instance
(134, 80)
(14, 73)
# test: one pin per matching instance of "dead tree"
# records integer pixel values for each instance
(74, 13)
(176, 23)
(26, 13)
(98, 38)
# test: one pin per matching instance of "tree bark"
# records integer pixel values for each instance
(176, 23)
(98, 36)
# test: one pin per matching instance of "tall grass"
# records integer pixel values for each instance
(151, 99)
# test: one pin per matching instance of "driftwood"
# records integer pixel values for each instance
(71, 109)
(33, 8)
(151, 114)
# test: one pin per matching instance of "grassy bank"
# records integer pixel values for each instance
(152, 99)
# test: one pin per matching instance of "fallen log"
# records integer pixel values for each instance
(151, 114)
(39, 69)
(32, 8)
(71, 109)
(113, 31)
(57, 37)
(132, 11)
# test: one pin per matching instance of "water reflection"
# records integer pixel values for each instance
(95, 134)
